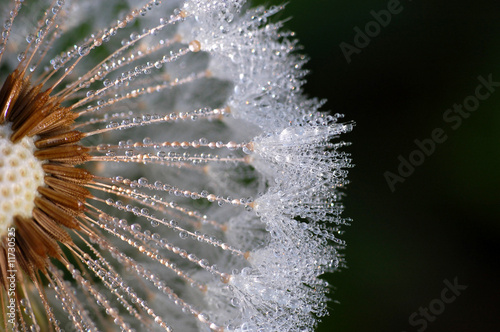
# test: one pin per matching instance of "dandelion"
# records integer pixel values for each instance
(164, 172)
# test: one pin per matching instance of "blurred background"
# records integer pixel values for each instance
(443, 221)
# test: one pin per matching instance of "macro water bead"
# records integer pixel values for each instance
(161, 170)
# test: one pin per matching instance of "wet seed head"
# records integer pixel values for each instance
(163, 173)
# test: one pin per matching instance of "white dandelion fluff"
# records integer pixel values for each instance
(164, 171)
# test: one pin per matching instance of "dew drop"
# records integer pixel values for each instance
(83, 50)
(134, 36)
(195, 46)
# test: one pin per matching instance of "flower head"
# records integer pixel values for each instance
(164, 171)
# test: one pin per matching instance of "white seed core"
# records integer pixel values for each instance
(20, 175)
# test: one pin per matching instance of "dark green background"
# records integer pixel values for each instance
(443, 221)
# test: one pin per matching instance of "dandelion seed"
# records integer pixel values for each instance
(162, 173)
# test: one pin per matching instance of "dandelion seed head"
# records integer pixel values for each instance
(169, 173)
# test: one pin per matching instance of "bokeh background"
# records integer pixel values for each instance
(443, 222)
